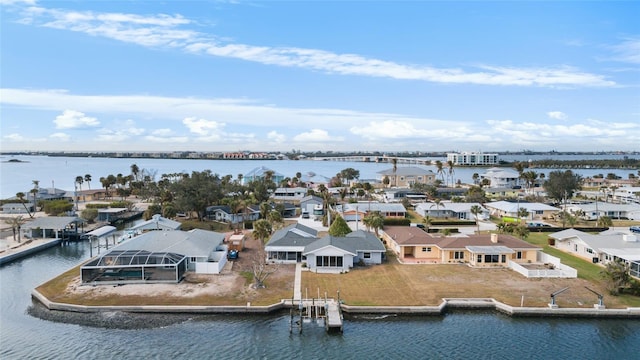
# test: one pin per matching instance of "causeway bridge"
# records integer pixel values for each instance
(375, 158)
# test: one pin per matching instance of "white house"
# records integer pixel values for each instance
(224, 213)
(298, 243)
(289, 194)
(537, 211)
(157, 222)
(594, 210)
(357, 211)
(499, 177)
(451, 210)
(601, 248)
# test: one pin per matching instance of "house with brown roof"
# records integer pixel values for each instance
(415, 246)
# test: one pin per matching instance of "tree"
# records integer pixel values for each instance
(604, 221)
(426, 220)
(135, 171)
(521, 231)
(394, 162)
(339, 227)
(258, 266)
(374, 220)
(475, 178)
(616, 276)
(275, 219)
(16, 224)
(89, 214)
(522, 213)
(262, 230)
(476, 210)
(20, 197)
(561, 185)
(451, 172)
(436, 203)
(439, 169)
(349, 174)
(87, 179)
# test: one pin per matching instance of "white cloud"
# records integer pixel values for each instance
(60, 137)
(71, 119)
(13, 137)
(16, 2)
(164, 31)
(203, 127)
(557, 115)
(276, 137)
(166, 139)
(315, 136)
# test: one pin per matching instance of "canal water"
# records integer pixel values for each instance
(457, 335)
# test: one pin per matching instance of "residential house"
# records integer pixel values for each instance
(415, 246)
(357, 211)
(499, 177)
(501, 192)
(298, 243)
(260, 173)
(309, 203)
(157, 222)
(223, 213)
(510, 209)
(313, 180)
(398, 195)
(289, 194)
(405, 176)
(158, 256)
(17, 208)
(451, 210)
(600, 248)
(594, 210)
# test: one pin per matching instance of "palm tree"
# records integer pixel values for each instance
(16, 224)
(426, 220)
(35, 191)
(87, 179)
(439, 170)
(374, 220)
(394, 162)
(451, 171)
(437, 203)
(135, 171)
(20, 197)
(475, 178)
(476, 210)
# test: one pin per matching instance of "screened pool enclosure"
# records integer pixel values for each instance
(134, 266)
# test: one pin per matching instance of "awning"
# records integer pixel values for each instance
(490, 250)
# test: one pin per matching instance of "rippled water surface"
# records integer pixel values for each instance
(458, 335)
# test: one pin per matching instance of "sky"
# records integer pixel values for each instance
(319, 75)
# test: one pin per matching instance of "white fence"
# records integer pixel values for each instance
(558, 270)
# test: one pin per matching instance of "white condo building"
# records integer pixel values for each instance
(472, 158)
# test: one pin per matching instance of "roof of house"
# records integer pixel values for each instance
(496, 172)
(311, 198)
(407, 171)
(292, 235)
(512, 207)
(619, 242)
(412, 236)
(371, 206)
(227, 209)
(351, 243)
(260, 172)
(158, 222)
(447, 205)
(52, 222)
(195, 242)
(605, 206)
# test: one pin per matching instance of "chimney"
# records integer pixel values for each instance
(494, 238)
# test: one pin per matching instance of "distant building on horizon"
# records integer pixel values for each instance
(473, 158)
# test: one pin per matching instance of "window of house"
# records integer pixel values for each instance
(589, 251)
(491, 258)
(479, 258)
(519, 255)
(575, 247)
(193, 259)
(367, 255)
(504, 258)
(458, 255)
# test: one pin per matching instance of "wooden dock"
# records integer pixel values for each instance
(323, 310)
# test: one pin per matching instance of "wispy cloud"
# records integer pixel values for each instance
(171, 31)
(316, 136)
(627, 51)
(60, 137)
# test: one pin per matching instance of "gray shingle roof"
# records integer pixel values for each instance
(407, 170)
(195, 242)
(52, 222)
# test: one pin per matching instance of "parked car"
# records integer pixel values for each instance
(305, 214)
(635, 229)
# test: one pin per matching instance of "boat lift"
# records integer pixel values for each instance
(600, 304)
(553, 304)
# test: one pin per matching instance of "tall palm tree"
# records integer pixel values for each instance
(439, 169)
(476, 210)
(35, 191)
(20, 197)
(451, 171)
(87, 179)
(135, 171)
(436, 203)
(394, 162)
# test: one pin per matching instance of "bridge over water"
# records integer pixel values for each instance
(374, 158)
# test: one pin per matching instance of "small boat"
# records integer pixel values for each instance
(128, 235)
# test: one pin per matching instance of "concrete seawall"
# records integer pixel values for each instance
(439, 310)
(5, 259)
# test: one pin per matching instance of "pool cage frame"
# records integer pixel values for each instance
(134, 266)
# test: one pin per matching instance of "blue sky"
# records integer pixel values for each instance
(316, 75)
